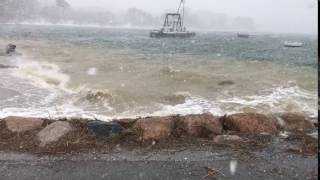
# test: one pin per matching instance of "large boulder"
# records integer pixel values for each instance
(154, 128)
(104, 129)
(226, 83)
(250, 123)
(295, 122)
(126, 123)
(53, 132)
(21, 124)
(203, 125)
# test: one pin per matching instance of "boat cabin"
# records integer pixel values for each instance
(173, 26)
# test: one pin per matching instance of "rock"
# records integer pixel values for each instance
(96, 96)
(295, 122)
(126, 123)
(11, 48)
(2, 66)
(104, 129)
(174, 99)
(20, 124)
(203, 125)
(154, 128)
(316, 124)
(53, 132)
(221, 139)
(226, 83)
(250, 123)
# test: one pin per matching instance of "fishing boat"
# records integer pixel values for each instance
(173, 25)
(292, 44)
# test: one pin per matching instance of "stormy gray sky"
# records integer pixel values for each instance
(294, 16)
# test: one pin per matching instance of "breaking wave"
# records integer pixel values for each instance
(280, 99)
(46, 75)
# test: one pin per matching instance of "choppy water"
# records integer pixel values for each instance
(108, 73)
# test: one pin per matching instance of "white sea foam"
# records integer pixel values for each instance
(281, 99)
(193, 105)
(44, 74)
(53, 112)
(92, 71)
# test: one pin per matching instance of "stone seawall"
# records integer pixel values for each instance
(37, 135)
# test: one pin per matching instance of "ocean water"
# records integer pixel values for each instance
(111, 73)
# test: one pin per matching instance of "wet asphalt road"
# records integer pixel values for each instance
(160, 165)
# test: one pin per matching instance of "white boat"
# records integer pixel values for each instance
(292, 44)
(173, 25)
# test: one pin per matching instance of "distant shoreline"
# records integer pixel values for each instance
(128, 27)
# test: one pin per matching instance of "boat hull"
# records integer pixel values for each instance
(172, 35)
(292, 45)
(243, 35)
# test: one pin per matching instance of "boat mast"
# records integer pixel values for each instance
(181, 4)
(183, 1)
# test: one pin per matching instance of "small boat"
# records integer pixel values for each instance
(243, 35)
(173, 25)
(292, 44)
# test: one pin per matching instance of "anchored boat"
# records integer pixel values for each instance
(243, 35)
(292, 44)
(173, 25)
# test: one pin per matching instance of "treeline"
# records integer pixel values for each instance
(24, 10)
(60, 11)
(18, 10)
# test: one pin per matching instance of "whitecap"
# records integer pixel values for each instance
(92, 71)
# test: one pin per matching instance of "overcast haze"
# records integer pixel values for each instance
(269, 15)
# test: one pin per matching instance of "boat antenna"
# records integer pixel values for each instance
(181, 4)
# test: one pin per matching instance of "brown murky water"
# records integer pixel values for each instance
(93, 72)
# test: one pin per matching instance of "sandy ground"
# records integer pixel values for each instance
(181, 162)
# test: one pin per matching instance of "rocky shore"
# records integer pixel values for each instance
(243, 130)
